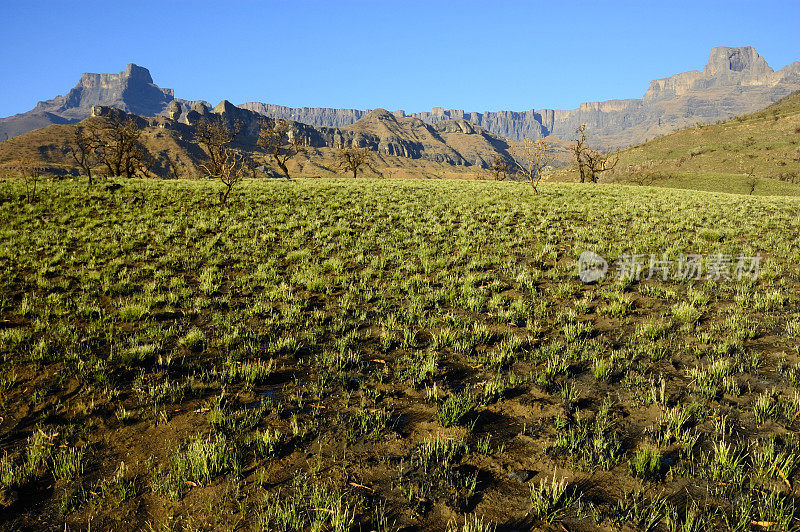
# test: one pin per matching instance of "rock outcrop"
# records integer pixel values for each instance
(449, 142)
(174, 110)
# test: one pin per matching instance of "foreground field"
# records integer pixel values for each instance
(391, 354)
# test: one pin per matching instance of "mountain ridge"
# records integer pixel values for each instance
(735, 80)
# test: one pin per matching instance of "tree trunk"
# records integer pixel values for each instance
(283, 167)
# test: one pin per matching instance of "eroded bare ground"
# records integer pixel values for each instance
(383, 355)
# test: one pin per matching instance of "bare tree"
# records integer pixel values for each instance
(82, 149)
(499, 168)
(173, 165)
(579, 150)
(224, 163)
(352, 158)
(751, 181)
(530, 159)
(598, 162)
(31, 173)
(229, 171)
(252, 166)
(280, 142)
(215, 137)
(117, 145)
(645, 178)
(591, 163)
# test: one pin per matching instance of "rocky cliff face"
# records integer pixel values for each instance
(455, 142)
(735, 81)
(314, 116)
(132, 91)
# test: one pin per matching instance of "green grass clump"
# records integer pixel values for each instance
(457, 408)
(593, 442)
(199, 460)
(68, 463)
(646, 463)
(251, 372)
(552, 498)
(266, 442)
(194, 340)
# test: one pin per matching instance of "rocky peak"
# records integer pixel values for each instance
(744, 59)
(225, 107)
(728, 67)
(137, 73)
(131, 90)
(381, 114)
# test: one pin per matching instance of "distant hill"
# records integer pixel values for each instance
(720, 156)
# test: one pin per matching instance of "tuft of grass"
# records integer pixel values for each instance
(552, 498)
(595, 443)
(194, 340)
(369, 423)
(8, 473)
(456, 408)
(793, 329)
(602, 368)
(686, 313)
(68, 463)
(199, 460)
(251, 372)
(266, 443)
(472, 523)
(646, 462)
(440, 454)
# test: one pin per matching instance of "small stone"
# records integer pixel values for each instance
(520, 475)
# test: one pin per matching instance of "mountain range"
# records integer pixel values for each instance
(734, 81)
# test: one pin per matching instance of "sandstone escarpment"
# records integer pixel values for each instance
(734, 81)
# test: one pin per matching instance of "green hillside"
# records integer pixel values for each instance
(719, 157)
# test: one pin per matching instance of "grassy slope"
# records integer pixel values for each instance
(717, 157)
(291, 357)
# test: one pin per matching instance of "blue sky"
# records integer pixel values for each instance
(410, 55)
